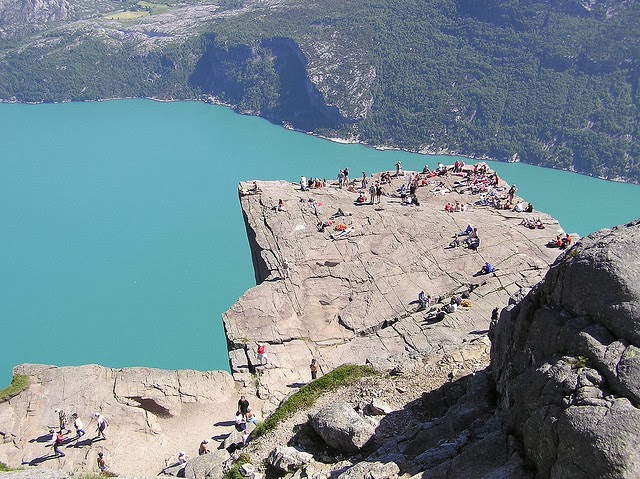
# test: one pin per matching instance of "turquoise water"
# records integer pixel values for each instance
(121, 236)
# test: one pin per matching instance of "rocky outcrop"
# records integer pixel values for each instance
(342, 428)
(207, 466)
(377, 470)
(352, 297)
(288, 459)
(565, 361)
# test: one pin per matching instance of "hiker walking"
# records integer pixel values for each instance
(102, 424)
(56, 442)
(77, 423)
(243, 406)
(261, 355)
(102, 464)
(62, 420)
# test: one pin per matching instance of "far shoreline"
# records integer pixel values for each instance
(445, 153)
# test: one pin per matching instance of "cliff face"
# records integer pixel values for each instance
(270, 79)
(353, 297)
(566, 364)
(558, 400)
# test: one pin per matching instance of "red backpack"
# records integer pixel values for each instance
(59, 439)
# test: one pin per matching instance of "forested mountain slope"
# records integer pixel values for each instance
(546, 82)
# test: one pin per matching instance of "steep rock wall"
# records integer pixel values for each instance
(269, 79)
(565, 361)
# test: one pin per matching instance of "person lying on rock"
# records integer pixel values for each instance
(487, 268)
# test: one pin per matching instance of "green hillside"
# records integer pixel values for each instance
(548, 83)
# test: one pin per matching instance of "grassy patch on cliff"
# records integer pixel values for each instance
(18, 384)
(234, 472)
(308, 394)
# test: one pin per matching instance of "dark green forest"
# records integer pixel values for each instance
(547, 83)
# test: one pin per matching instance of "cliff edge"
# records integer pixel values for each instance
(352, 296)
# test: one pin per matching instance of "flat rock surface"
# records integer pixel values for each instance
(153, 414)
(353, 298)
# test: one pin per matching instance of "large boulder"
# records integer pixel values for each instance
(207, 466)
(342, 428)
(287, 458)
(565, 360)
(372, 470)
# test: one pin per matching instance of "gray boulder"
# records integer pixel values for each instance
(377, 407)
(565, 361)
(287, 458)
(207, 466)
(237, 438)
(342, 428)
(372, 470)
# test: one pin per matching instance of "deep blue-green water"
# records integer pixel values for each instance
(121, 236)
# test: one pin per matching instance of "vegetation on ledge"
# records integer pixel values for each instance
(308, 394)
(18, 384)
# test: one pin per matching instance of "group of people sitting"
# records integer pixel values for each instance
(472, 240)
(458, 206)
(254, 190)
(562, 242)
(532, 223)
(311, 183)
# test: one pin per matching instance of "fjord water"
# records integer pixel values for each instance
(121, 235)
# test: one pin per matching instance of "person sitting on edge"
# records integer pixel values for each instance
(566, 242)
(555, 242)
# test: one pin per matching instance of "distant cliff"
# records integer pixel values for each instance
(548, 83)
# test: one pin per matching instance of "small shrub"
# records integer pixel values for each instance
(95, 475)
(308, 394)
(581, 362)
(4, 467)
(18, 384)
(234, 472)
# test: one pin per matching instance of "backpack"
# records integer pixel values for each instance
(59, 439)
